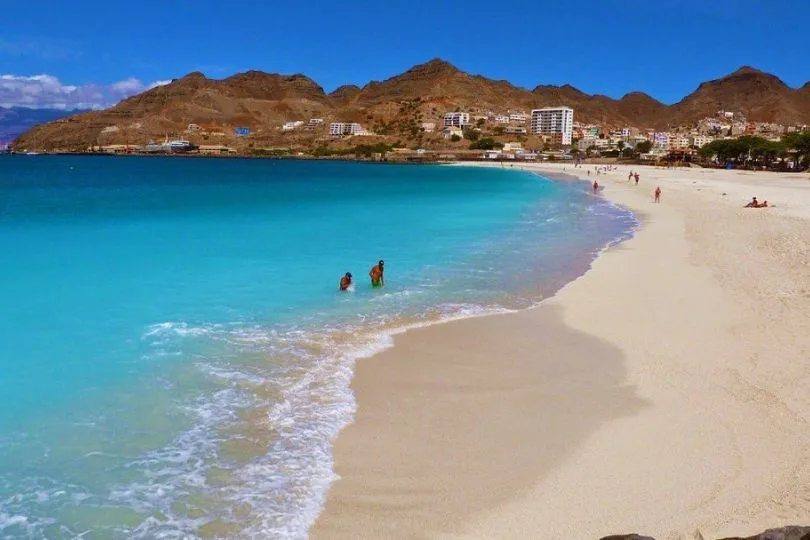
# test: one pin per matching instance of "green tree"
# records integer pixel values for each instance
(485, 144)
(480, 122)
(455, 138)
(471, 134)
(800, 144)
(620, 145)
(643, 147)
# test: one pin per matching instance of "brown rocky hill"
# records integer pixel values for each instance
(253, 99)
(394, 107)
(760, 96)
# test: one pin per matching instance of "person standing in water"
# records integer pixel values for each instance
(595, 186)
(376, 274)
(346, 281)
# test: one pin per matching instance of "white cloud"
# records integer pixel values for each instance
(48, 92)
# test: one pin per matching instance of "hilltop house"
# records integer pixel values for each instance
(449, 131)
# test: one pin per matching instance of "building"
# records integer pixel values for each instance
(660, 139)
(550, 120)
(501, 119)
(449, 131)
(315, 122)
(678, 141)
(216, 149)
(518, 117)
(512, 147)
(596, 142)
(428, 127)
(456, 119)
(291, 125)
(337, 129)
(511, 130)
(701, 140)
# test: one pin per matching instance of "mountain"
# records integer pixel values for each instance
(394, 107)
(15, 121)
(760, 96)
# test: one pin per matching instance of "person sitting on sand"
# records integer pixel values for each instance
(376, 274)
(346, 281)
(753, 204)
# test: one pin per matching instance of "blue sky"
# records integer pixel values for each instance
(97, 52)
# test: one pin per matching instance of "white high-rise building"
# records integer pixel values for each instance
(346, 128)
(552, 120)
(456, 119)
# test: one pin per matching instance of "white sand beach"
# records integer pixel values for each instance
(665, 392)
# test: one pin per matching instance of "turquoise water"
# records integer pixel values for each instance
(176, 357)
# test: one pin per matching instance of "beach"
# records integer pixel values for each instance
(665, 392)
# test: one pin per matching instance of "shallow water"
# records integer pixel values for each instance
(176, 357)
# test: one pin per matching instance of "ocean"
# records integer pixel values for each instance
(176, 357)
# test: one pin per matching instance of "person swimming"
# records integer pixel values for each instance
(346, 281)
(376, 274)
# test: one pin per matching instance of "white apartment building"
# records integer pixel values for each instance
(337, 129)
(518, 117)
(428, 127)
(501, 119)
(315, 122)
(660, 139)
(701, 140)
(587, 142)
(456, 119)
(678, 141)
(291, 125)
(554, 120)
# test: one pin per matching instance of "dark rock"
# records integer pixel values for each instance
(784, 533)
(627, 537)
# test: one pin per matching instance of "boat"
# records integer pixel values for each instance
(169, 146)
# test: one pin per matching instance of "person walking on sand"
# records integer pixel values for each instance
(635, 175)
(658, 194)
(346, 281)
(630, 176)
(376, 274)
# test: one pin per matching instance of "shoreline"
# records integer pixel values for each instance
(394, 458)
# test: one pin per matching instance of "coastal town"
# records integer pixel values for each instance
(548, 133)
(435, 112)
